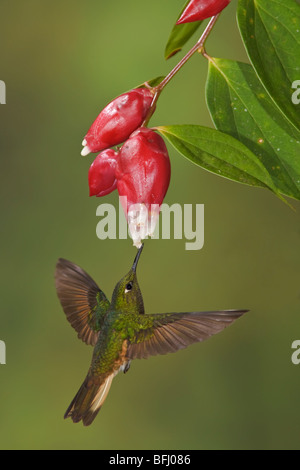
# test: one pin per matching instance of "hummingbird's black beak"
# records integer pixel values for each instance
(136, 259)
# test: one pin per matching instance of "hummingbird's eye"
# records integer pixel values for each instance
(128, 287)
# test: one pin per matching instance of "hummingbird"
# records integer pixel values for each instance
(120, 331)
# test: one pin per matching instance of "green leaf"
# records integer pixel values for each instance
(271, 34)
(240, 106)
(218, 153)
(179, 35)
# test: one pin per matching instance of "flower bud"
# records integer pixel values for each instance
(198, 10)
(102, 177)
(143, 176)
(118, 120)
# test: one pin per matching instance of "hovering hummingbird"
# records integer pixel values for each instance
(120, 331)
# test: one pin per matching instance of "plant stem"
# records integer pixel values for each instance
(199, 46)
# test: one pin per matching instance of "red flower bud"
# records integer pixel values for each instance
(143, 176)
(118, 120)
(201, 9)
(102, 178)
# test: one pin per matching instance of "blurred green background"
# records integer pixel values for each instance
(62, 62)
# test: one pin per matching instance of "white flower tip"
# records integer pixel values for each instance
(84, 142)
(141, 222)
(85, 151)
(137, 222)
(137, 243)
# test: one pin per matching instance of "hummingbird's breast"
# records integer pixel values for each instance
(111, 348)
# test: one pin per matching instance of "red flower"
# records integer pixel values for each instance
(102, 178)
(201, 9)
(143, 176)
(118, 120)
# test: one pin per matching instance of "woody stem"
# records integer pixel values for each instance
(199, 46)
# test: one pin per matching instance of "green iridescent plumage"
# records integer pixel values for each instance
(121, 332)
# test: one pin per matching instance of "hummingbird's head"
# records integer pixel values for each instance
(127, 295)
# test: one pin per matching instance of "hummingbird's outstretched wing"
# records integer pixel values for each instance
(82, 301)
(168, 332)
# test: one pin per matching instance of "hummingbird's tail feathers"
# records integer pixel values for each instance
(82, 301)
(169, 332)
(90, 397)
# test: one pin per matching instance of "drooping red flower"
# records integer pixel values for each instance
(118, 120)
(198, 10)
(143, 175)
(102, 173)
